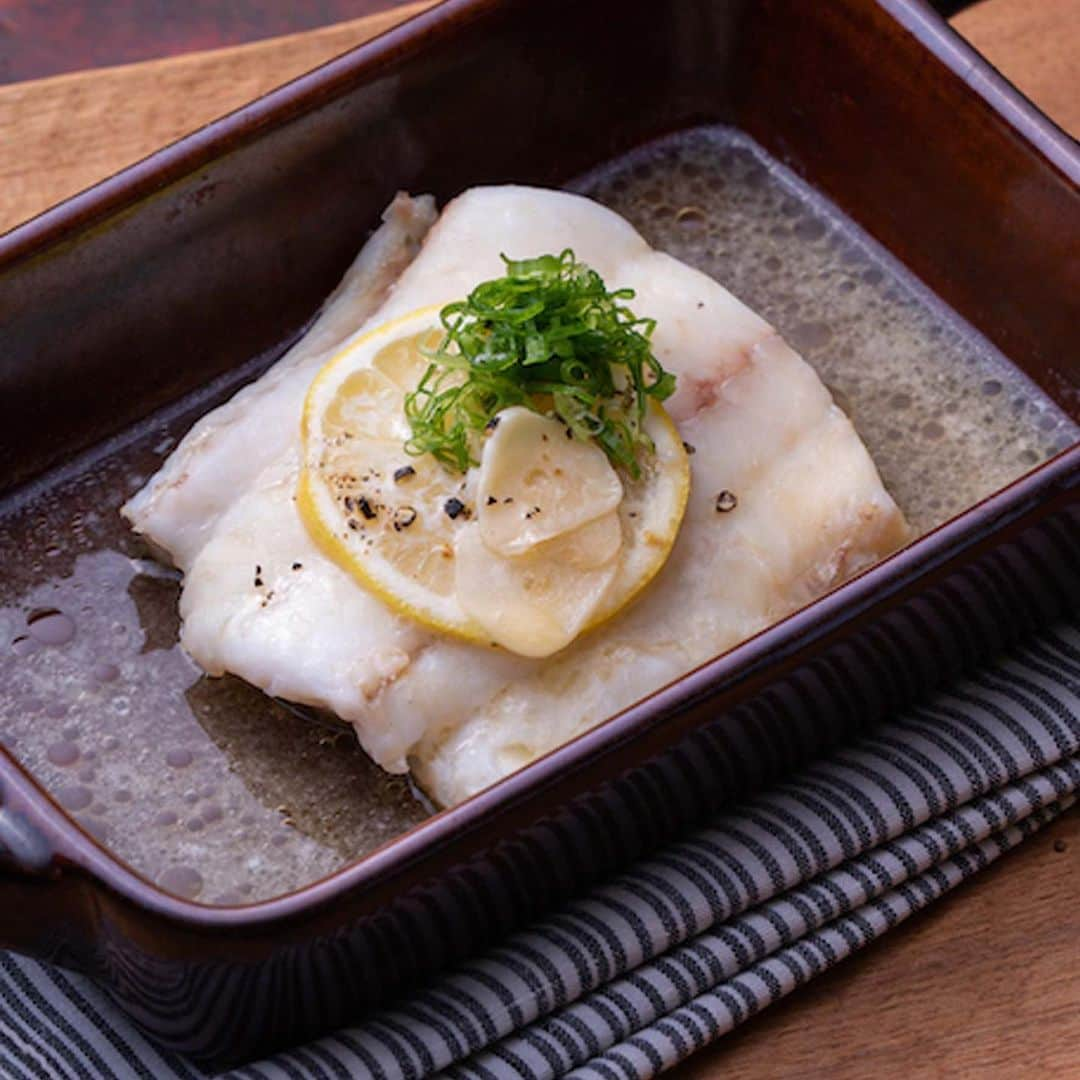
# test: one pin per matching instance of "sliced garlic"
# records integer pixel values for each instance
(589, 546)
(537, 603)
(535, 484)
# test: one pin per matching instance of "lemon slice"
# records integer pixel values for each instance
(536, 484)
(538, 544)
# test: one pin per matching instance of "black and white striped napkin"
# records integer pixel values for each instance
(632, 977)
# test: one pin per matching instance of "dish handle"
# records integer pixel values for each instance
(42, 908)
(24, 848)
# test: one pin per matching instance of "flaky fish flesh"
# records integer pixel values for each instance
(785, 503)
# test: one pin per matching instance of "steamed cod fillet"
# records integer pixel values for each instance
(810, 510)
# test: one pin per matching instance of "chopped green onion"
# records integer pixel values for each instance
(549, 336)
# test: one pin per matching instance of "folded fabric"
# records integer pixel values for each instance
(663, 1011)
(685, 945)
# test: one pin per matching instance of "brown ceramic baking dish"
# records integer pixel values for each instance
(205, 260)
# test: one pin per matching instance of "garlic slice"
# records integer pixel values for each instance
(537, 603)
(536, 484)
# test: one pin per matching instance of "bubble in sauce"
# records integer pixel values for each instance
(179, 757)
(62, 753)
(104, 672)
(690, 218)
(809, 229)
(24, 645)
(74, 796)
(184, 881)
(811, 335)
(48, 626)
(97, 828)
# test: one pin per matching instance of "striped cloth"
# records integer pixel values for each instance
(676, 951)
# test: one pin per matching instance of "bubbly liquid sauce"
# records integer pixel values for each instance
(222, 794)
(947, 419)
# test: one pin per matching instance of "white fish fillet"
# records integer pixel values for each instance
(811, 510)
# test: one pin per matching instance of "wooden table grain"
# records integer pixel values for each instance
(984, 984)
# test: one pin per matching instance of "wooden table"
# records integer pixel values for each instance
(985, 983)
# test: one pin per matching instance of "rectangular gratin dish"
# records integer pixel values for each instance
(249, 223)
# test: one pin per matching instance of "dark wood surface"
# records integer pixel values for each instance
(39, 38)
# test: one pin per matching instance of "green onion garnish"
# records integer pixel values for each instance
(549, 336)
